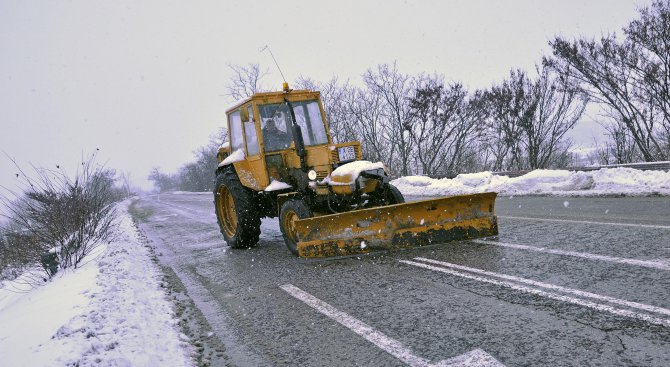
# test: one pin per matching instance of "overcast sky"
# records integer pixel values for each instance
(144, 81)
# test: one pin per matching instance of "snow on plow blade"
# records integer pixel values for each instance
(405, 225)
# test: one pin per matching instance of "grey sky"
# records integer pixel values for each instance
(145, 81)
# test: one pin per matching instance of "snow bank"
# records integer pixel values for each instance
(110, 311)
(188, 192)
(606, 181)
(31, 317)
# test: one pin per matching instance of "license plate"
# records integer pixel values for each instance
(346, 153)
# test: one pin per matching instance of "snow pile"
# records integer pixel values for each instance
(236, 156)
(31, 318)
(277, 185)
(347, 173)
(606, 181)
(110, 311)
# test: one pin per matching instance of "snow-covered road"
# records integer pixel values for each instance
(569, 281)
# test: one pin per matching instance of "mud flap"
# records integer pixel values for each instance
(413, 224)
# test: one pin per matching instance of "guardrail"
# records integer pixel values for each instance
(646, 166)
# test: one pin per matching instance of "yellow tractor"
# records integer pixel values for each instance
(280, 161)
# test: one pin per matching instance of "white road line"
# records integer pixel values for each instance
(655, 264)
(556, 296)
(476, 357)
(576, 292)
(586, 222)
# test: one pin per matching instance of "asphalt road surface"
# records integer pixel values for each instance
(569, 282)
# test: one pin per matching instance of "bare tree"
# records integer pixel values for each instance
(334, 97)
(126, 184)
(444, 125)
(631, 78)
(245, 81)
(162, 181)
(651, 34)
(529, 119)
(620, 148)
(510, 106)
(394, 89)
(558, 106)
(365, 112)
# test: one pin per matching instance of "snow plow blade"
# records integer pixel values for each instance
(412, 224)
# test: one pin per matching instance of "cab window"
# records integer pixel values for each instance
(236, 139)
(276, 124)
(250, 135)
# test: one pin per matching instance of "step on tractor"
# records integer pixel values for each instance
(280, 161)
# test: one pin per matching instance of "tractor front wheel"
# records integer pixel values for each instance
(389, 196)
(291, 211)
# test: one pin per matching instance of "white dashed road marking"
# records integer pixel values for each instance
(655, 264)
(476, 357)
(513, 284)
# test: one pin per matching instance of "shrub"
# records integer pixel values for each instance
(57, 220)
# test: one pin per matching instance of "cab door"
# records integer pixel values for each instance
(252, 170)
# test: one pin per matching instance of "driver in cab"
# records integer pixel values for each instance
(273, 137)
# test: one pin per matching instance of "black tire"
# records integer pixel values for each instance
(390, 195)
(292, 210)
(394, 196)
(236, 214)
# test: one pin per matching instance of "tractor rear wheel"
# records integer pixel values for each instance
(238, 220)
(290, 212)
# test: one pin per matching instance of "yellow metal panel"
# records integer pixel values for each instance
(252, 173)
(342, 189)
(317, 156)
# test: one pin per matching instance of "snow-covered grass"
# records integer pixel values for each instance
(111, 312)
(606, 181)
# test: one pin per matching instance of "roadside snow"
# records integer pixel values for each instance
(111, 311)
(606, 181)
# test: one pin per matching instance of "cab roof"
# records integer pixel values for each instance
(266, 96)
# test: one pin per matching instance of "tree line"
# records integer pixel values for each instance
(197, 175)
(422, 124)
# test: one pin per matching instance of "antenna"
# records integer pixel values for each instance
(275, 60)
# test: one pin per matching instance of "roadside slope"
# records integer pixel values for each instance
(110, 311)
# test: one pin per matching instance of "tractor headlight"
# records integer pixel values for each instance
(311, 175)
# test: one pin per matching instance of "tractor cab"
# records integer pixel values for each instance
(273, 134)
